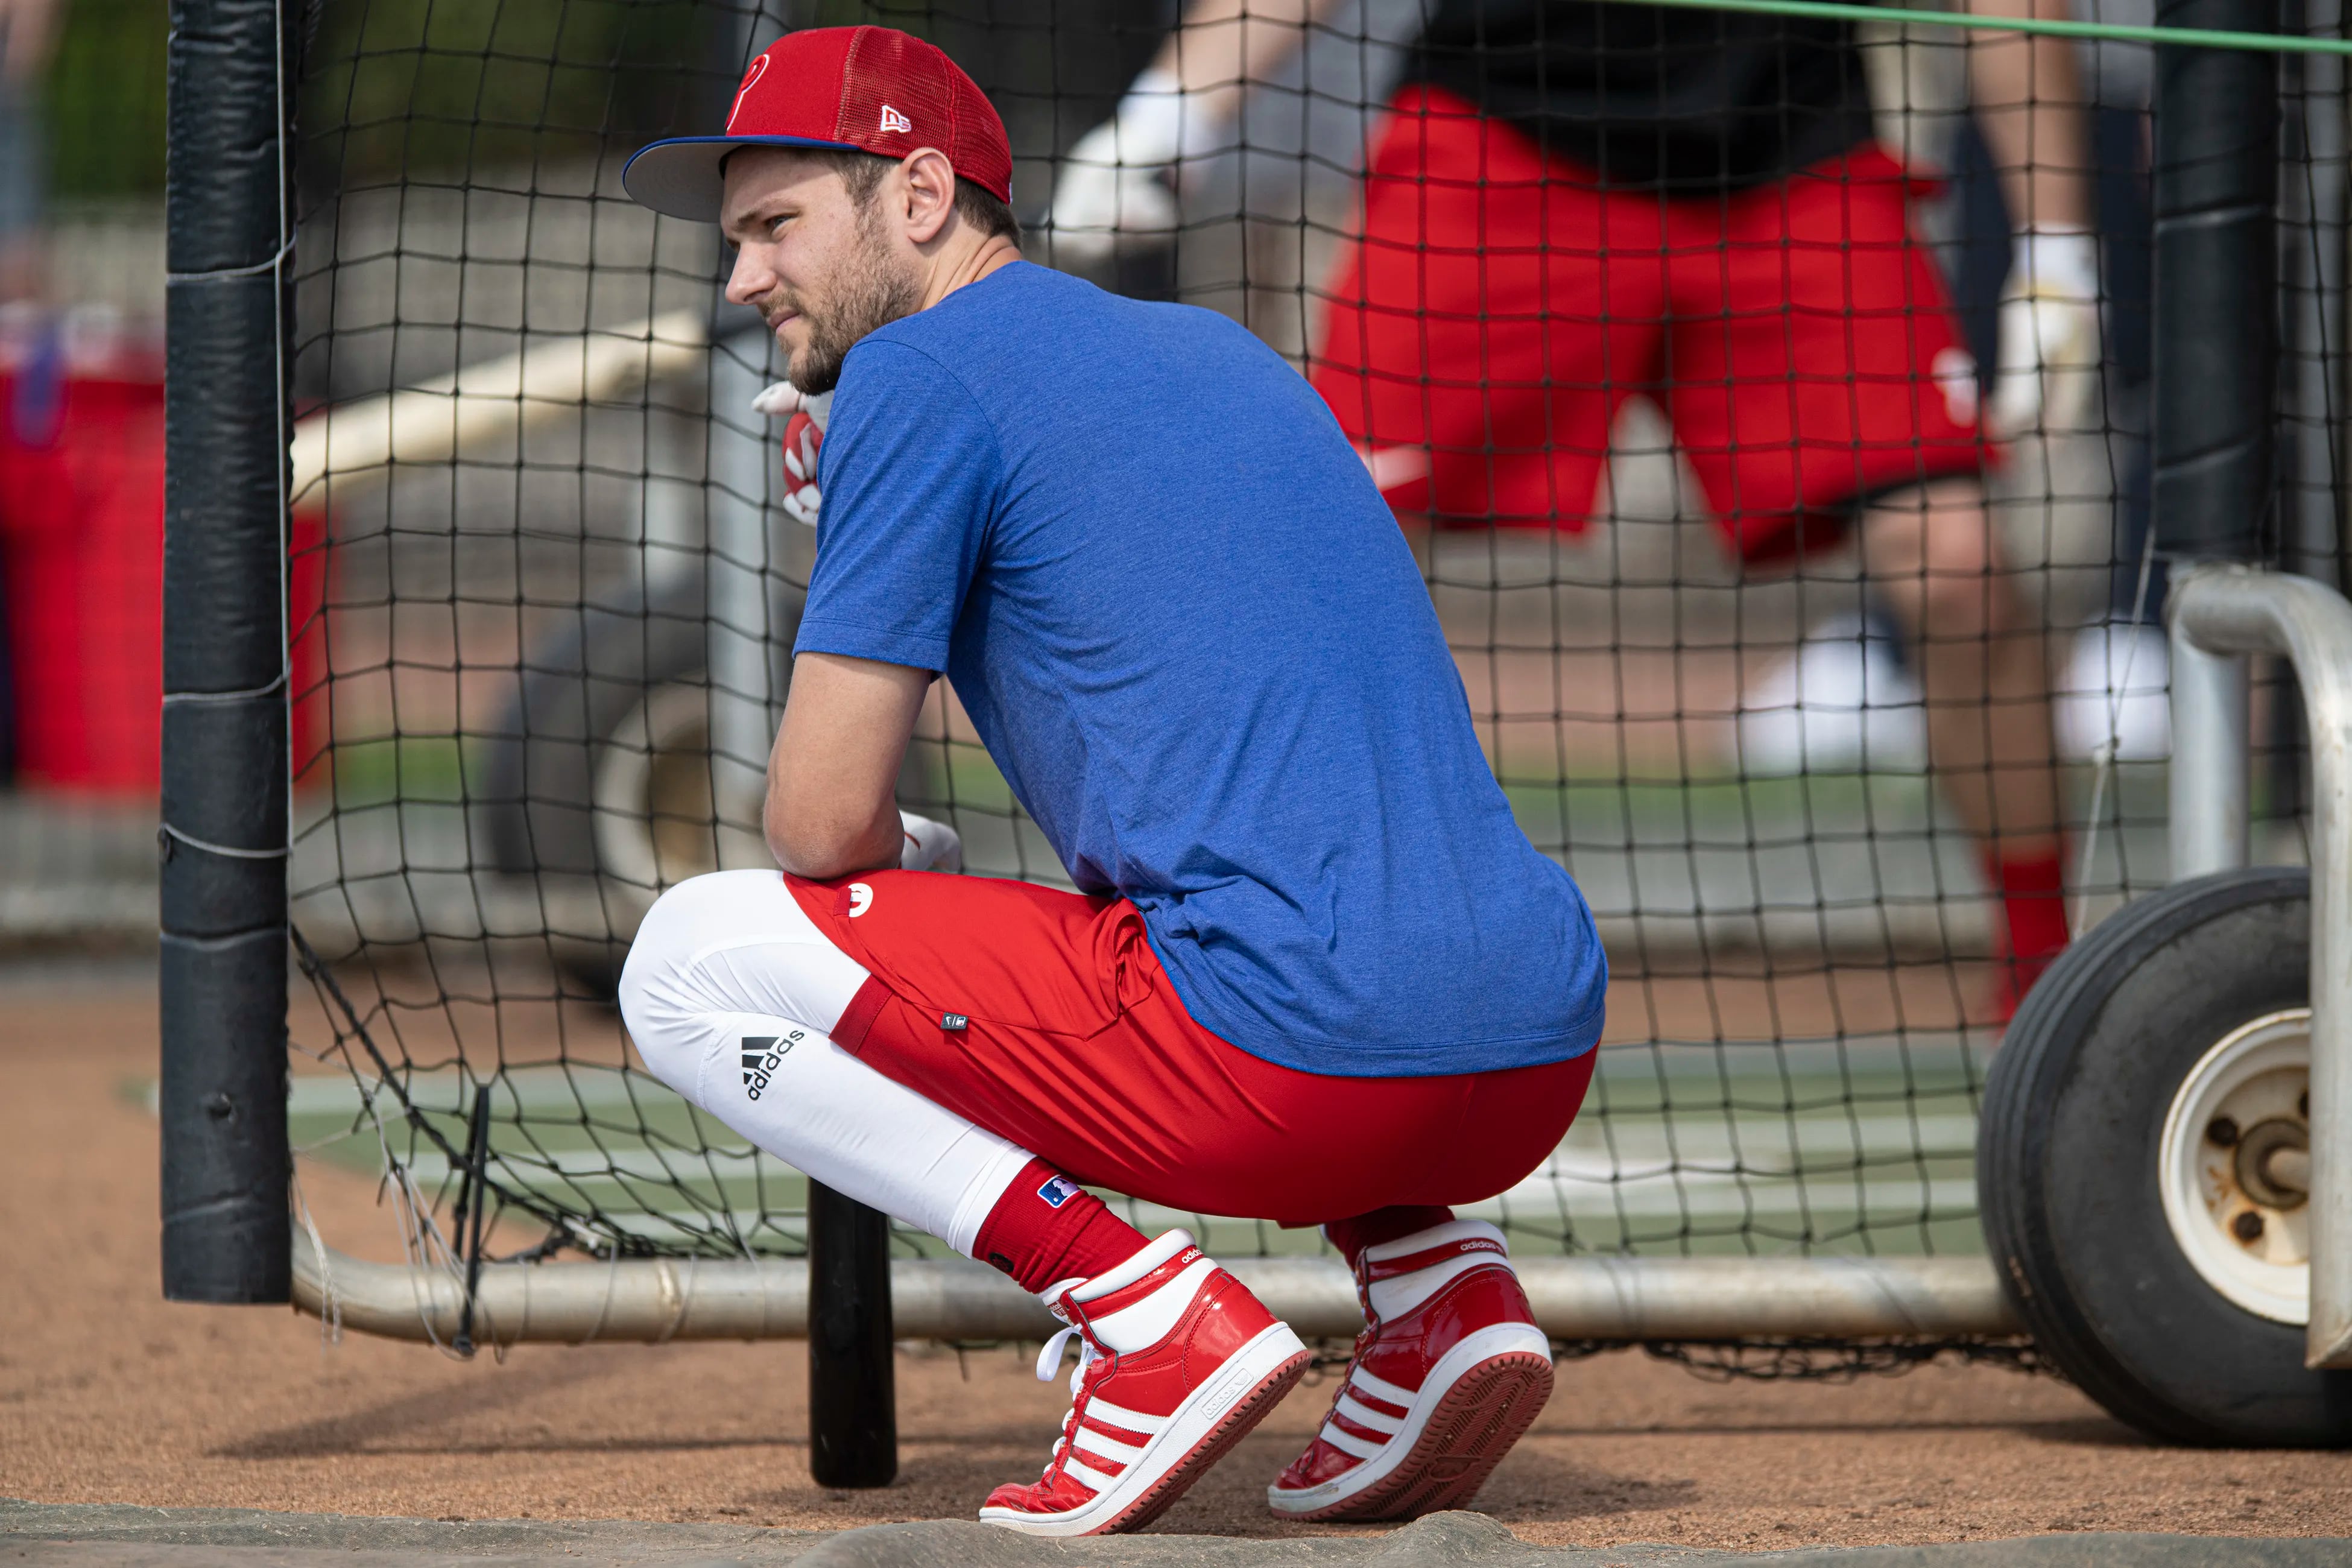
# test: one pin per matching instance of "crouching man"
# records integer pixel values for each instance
(1317, 974)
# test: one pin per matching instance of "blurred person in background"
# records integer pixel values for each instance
(29, 30)
(2117, 675)
(1573, 201)
(2078, 492)
(27, 36)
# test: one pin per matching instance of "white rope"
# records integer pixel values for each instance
(330, 1300)
(420, 1236)
(2118, 688)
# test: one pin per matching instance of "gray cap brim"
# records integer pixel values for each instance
(681, 177)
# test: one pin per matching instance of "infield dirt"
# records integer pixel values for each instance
(107, 1393)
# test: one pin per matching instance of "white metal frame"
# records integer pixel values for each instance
(658, 1300)
(2218, 614)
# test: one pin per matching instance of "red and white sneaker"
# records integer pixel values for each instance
(1448, 1372)
(1176, 1361)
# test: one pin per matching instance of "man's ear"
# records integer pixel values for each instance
(930, 193)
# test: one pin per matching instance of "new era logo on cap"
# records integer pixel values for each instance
(859, 90)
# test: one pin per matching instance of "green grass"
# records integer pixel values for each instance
(1680, 1150)
(421, 769)
(1718, 811)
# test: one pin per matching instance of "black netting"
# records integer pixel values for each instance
(546, 593)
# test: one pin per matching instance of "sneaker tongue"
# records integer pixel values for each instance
(1052, 1294)
(1151, 1256)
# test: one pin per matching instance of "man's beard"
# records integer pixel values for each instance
(868, 295)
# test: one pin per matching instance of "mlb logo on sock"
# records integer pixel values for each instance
(1058, 1191)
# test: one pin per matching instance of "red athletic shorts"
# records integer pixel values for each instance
(1499, 308)
(1047, 1018)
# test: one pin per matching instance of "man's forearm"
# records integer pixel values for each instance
(2028, 95)
(1221, 44)
(831, 809)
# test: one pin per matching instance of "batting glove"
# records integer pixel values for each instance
(930, 846)
(805, 418)
(2049, 362)
(1120, 179)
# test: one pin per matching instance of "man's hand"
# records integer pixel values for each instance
(833, 774)
(1115, 181)
(805, 419)
(929, 845)
(2028, 103)
(2049, 335)
(1125, 176)
(802, 497)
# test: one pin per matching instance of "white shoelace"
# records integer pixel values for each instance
(1049, 1361)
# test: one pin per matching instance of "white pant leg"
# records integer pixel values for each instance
(731, 992)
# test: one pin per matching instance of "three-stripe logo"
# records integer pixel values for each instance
(762, 1055)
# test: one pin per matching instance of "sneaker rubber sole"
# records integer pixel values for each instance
(1218, 1415)
(1464, 1435)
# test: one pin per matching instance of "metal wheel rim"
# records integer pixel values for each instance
(2251, 1077)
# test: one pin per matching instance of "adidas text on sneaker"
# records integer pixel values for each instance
(1449, 1372)
(1176, 1362)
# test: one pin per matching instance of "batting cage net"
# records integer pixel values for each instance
(1764, 397)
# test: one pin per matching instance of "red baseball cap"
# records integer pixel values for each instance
(860, 89)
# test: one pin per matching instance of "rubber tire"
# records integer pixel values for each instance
(535, 773)
(2067, 1162)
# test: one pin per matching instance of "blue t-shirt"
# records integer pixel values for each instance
(1188, 630)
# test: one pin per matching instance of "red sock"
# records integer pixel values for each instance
(1352, 1236)
(1047, 1228)
(2034, 897)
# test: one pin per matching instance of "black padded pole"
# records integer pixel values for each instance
(2216, 299)
(853, 1399)
(228, 223)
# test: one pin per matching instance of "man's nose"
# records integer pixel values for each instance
(751, 278)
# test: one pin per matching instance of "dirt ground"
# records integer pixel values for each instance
(107, 1393)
